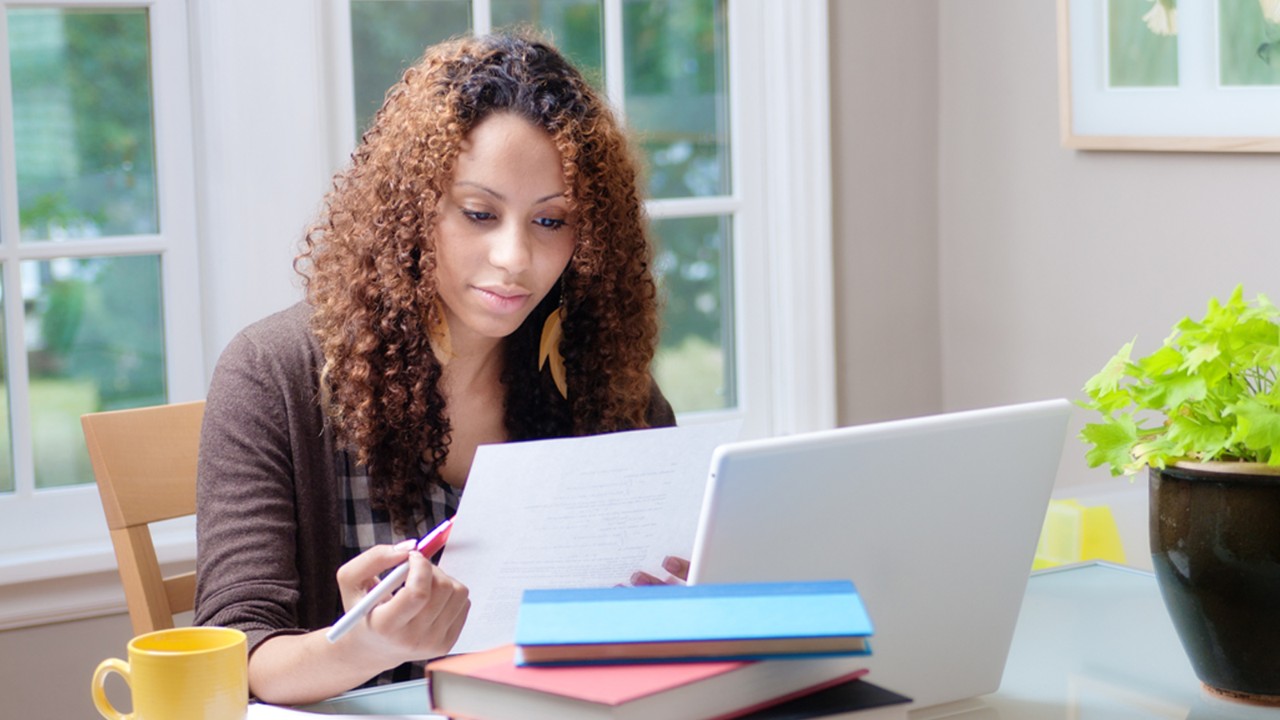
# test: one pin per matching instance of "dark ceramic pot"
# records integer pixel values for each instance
(1215, 545)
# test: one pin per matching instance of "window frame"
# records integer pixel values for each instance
(58, 532)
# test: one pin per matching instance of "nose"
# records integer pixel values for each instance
(511, 247)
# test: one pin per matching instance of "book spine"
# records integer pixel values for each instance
(793, 695)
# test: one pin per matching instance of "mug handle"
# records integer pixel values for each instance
(100, 700)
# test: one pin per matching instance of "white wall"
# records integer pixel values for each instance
(261, 131)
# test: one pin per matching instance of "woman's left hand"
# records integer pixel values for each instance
(678, 567)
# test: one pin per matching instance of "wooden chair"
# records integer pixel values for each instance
(145, 463)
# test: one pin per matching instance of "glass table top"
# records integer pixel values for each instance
(1093, 642)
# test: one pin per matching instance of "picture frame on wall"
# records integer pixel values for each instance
(1170, 75)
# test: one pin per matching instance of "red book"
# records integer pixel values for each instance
(489, 686)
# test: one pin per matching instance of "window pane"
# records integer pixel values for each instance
(388, 36)
(574, 25)
(676, 60)
(82, 122)
(6, 439)
(95, 341)
(695, 362)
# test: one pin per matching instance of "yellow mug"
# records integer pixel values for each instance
(195, 673)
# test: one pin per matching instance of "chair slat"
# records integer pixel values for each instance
(147, 459)
(144, 461)
(181, 591)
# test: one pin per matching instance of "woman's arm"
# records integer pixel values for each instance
(420, 621)
(249, 492)
(267, 528)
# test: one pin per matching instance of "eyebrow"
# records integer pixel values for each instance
(500, 196)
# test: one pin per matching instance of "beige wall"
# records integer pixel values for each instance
(979, 262)
(47, 669)
(884, 75)
(1050, 259)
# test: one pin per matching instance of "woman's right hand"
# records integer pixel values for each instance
(677, 566)
(419, 621)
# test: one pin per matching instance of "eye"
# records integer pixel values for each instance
(478, 216)
(550, 223)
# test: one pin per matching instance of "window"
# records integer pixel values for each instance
(98, 281)
(664, 64)
(267, 158)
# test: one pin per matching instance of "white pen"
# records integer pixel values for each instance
(428, 545)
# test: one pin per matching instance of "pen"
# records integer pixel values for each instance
(428, 545)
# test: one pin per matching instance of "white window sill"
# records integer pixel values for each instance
(72, 582)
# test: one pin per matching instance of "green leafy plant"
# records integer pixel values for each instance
(1210, 393)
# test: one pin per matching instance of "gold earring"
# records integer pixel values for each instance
(438, 333)
(549, 348)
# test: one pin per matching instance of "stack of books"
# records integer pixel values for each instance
(761, 650)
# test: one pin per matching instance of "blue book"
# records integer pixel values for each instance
(699, 622)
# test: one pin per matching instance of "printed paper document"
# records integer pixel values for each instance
(574, 512)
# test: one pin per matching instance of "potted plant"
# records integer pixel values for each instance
(1202, 415)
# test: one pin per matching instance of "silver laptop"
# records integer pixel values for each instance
(935, 520)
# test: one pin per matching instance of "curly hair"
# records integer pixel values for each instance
(368, 266)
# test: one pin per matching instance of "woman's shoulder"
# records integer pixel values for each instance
(286, 327)
(660, 413)
(284, 332)
(282, 341)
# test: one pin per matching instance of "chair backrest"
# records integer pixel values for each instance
(145, 463)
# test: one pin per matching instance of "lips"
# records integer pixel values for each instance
(501, 299)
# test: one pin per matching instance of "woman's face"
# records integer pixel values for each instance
(504, 234)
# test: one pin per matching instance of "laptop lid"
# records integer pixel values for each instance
(934, 519)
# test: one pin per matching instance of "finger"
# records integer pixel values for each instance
(435, 626)
(447, 596)
(453, 609)
(676, 566)
(438, 639)
(427, 590)
(641, 578)
(371, 563)
(446, 577)
(456, 624)
(359, 574)
(419, 585)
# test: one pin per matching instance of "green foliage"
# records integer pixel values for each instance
(1209, 393)
(691, 271)
(108, 74)
(102, 323)
(670, 43)
(82, 121)
(387, 37)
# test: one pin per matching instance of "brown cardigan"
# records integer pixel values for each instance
(267, 503)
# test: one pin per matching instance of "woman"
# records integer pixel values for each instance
(490, 212)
